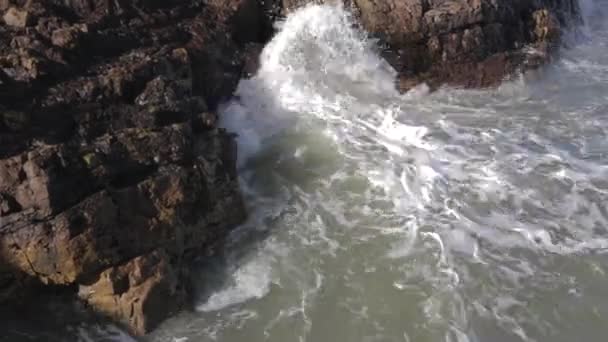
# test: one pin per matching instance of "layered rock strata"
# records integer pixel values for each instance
(113, 172)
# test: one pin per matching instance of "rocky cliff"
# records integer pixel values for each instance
(113, 172)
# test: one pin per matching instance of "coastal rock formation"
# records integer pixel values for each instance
(470, 43)
(113, 172)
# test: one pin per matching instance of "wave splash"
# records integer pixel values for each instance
(421, 190)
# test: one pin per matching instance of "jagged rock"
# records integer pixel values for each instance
(21, 66)
(141, 292)
(471, 43)
(68, 37)
(17, 18)
(113, 172)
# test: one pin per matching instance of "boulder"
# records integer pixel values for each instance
(140, 293)
(17, 18)
(67, 38)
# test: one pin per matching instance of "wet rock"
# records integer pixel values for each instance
(140, 292)
(546, 26)
(113, 172)
(4, 4)
(22, 65)
(68, 37)
(471, 43)
(252, 54)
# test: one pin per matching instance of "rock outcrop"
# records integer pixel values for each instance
(469, 43)
(113, 172)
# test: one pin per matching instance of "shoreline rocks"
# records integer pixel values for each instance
(113, 173)
(462, 43)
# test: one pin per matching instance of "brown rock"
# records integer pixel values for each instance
(17, 18)
(399, 21)
(109, 147)
(451, 41)
(68, 37)
(8, 204)
(23, 65)
(139, 293)
(546, 26)
(4, 4)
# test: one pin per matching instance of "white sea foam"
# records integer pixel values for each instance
(447, 155)
(352, 176)
(106, 333)
(249, 281)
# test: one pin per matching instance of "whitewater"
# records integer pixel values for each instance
(455, 215)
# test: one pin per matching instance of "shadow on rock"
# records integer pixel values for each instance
(113, 173)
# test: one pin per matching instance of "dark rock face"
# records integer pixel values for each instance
(113, 173)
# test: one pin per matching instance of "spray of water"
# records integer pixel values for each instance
(456, 204)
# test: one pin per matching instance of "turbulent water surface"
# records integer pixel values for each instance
(457, 215)
(453, 216)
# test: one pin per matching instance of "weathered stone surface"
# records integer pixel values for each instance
(4, 4)
(16, 17)
(113, 172)
(68, 37)
(141, 292)
(471, 43)
(151, 189)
